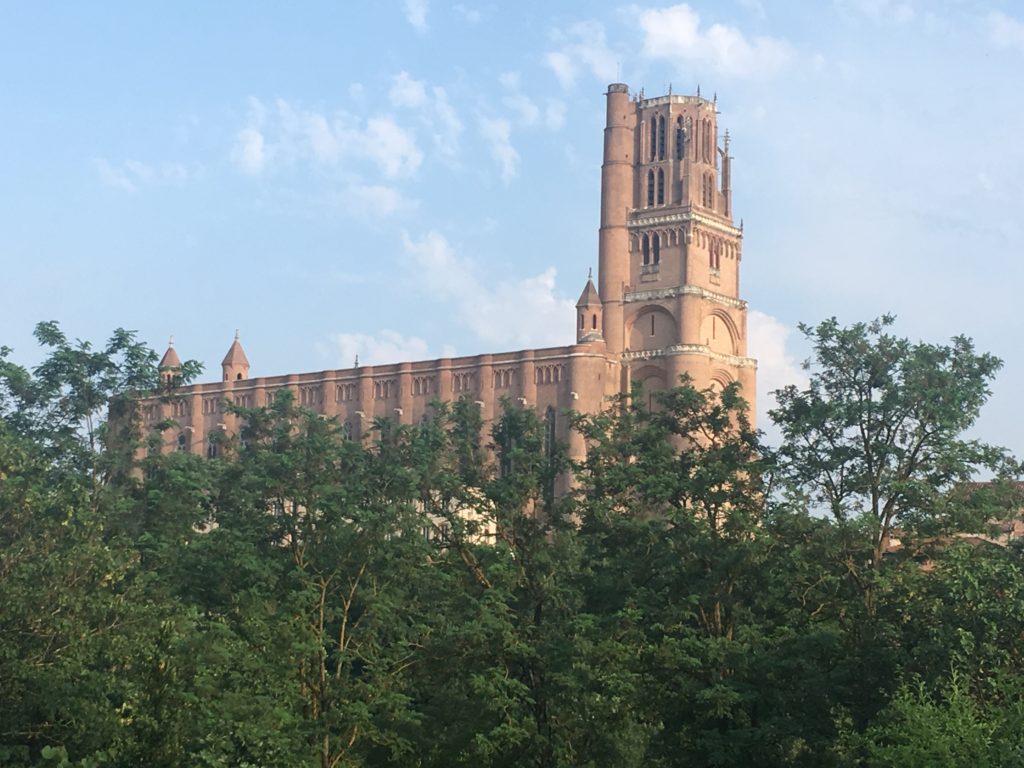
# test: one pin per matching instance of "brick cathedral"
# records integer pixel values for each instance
(666, 303)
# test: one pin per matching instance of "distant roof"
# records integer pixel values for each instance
(170, 358)
(235, 355)
(589, 296)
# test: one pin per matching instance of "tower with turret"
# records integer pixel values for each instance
(668, 249)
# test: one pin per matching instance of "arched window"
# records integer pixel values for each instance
(656, 242)
(182, 441)
(593, 321)
(654, 137)
(583, 323)
(646, 248)
(239, 376)
(211, 449)
(346, 430)
(661, 138)
(650, 188)
(661, 187)
(680, 141)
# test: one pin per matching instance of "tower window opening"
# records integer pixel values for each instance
(661, 138)
(652, 324)
(650, 188)
(661, 187)
(182, 441)
(657, 249)
(646, 248)
(238, 377)
(583, 320)
(680, 144)
(593, 321)
(654, 137)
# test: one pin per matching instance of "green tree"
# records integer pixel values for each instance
(877, 438)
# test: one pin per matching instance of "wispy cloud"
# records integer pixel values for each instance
(285, 134)
(416, 14)
(133, 175)
(497, 131)
(676, 35)
(879, 10)
(769, 341)
(375, 201)
(433, 108)
(581, 47)
(527, 112)
(1005, 31)
(511, 313)
(384, 347)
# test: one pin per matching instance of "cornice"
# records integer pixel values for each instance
(683, 290)
(638, 220)
(690, 349)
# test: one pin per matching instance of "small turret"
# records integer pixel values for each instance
(235, 364)
(170, 365)
(589, 311)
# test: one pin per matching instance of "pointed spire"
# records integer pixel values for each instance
(170, 360)
(589, 297)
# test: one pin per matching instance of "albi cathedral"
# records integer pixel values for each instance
(666, 303)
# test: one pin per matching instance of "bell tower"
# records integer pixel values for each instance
(668, 248)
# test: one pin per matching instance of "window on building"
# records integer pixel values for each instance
(680, 141)
(661, 187)
(661, 138)
(656, 248)
(645, 247)
(593, 321)
(650, 188)
(182, 441)
(654, 138)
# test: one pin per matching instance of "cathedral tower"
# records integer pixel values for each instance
(668, 248)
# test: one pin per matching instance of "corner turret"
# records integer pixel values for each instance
(590, 313)
(169, 367)
(235, 364)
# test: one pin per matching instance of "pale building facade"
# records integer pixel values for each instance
(667, 303)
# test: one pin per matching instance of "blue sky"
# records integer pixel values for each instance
(418, 178)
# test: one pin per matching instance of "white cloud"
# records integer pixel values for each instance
(471, 15)
(376, 200)
(512, 314)
(250, 153)
(879, 10)
(382, 348)
(416, 14)
(498, 131)
(288, 134)
(1005, 31)
(392, 146)
(526, 111)
(777, 366)
(675, 34)
(435, 111)
(581, 47)
(406, 92)
(132, 175)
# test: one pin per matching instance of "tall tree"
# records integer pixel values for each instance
(877, 438)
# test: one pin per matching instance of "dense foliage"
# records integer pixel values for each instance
(424, 597)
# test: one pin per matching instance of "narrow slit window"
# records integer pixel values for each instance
(646, 248)
(650, 188)
(656, 248)
(652, 324)
(654, 138)
(661, 187)
(661, 138)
